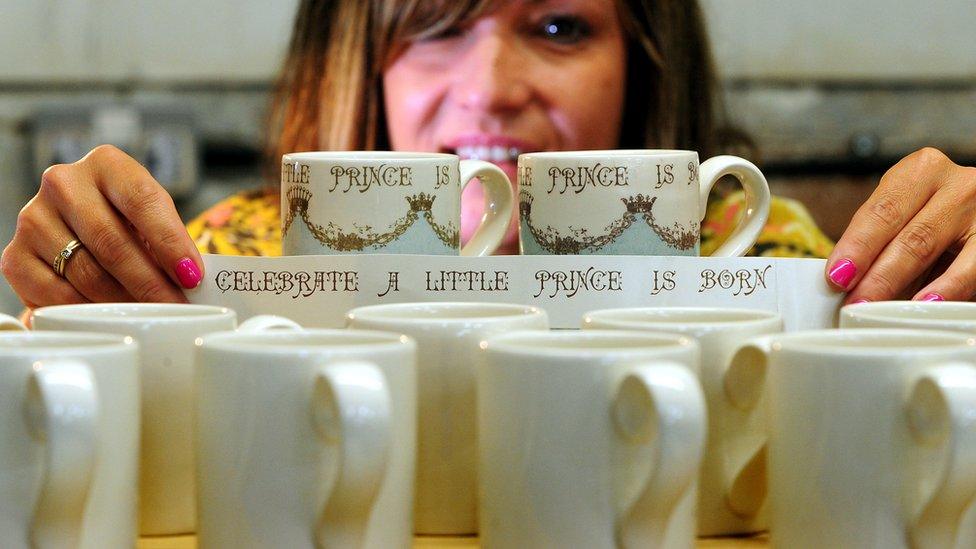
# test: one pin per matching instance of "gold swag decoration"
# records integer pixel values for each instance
(363, 236)
(676, 236)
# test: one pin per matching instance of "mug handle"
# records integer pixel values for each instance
(498, 206)
(743, 384)
(351, 414)
(62, 412)
(942, 414)
(659, 410)
(757, 200)
(261, 323)
(8, 322)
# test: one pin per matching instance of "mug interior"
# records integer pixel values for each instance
(361, 156)
(123, 312)
(913, 311)
(441, 311)
(585, 341)
(888, 341)
(14, 342)
(677, 315)
(597, 155)
(311, 339)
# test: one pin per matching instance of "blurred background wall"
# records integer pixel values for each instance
(831, 92)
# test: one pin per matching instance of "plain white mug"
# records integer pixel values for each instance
(69, 440)
(9, 323)
(872, 437)
(166, 334)
(448, 337)
(305, 439)
(956, 316)
(589, 439)
(732, 485)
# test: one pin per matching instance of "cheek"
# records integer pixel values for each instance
(590, 109)
(409, 101)
(586, 97)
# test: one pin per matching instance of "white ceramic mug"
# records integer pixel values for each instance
(630, 202)
(306, 439)
(953, 316)
(166, 333)
(589, 439)
(448, 336)
(732, 485)
(69, 435)
(872, 438)
(387, 202)
(9, 323)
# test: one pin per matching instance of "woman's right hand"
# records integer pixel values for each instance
(135, 247)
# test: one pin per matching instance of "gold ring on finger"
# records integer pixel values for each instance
(64, 255)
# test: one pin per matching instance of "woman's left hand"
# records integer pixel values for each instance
(915, 237)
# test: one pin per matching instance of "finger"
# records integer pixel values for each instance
(96, 224)
(141, 200)
(35, 282)
(81, 269)
(958, 282)
(900, 195)
(912, 251)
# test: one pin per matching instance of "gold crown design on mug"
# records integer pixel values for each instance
(421, 203)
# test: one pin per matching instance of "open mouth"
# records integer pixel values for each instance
(494, 154)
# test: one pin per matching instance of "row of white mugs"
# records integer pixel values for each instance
(643, 429)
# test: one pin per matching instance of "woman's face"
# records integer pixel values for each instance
(532, 75)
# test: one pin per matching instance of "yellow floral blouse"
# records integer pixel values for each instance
(249, 224)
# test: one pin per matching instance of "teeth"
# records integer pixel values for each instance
(491, 154)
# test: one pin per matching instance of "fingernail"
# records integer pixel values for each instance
(843, 273)
(859, 301)
(188, 273)
(933, 297)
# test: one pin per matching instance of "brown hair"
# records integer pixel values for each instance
(329, 95)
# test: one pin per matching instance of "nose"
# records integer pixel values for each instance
(493, 77)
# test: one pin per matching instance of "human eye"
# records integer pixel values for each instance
(564, 29)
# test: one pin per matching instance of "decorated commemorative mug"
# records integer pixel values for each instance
(387, 202)
(630, 202)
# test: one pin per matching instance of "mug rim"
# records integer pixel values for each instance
(361, 156)
(597, 154)
(398, 312)
(58, 343)
(128, 313)
(892, 311)
(567, 343)
(884, 342)
(273, 342)
(746, 317)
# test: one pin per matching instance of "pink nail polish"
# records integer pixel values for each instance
(859, 301)
(188, 273)
(843, 273)
(933, 297)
